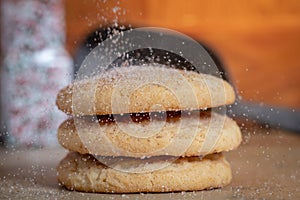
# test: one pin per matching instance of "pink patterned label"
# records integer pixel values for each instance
(35, 67)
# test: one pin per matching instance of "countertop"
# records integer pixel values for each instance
(266, 165)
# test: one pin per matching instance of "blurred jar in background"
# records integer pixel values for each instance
(35, 66)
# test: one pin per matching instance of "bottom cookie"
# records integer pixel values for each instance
(85, 173)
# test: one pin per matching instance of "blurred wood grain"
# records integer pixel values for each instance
(258, 41)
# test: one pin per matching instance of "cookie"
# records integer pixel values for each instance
(138, 89)
(189, 135)
(85, 173)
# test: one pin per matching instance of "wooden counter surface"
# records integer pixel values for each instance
(267, 165)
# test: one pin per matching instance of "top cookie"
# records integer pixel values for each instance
(148, 88)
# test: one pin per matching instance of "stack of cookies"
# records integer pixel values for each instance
(146, 129)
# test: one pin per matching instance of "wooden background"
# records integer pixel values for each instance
(258, 41)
